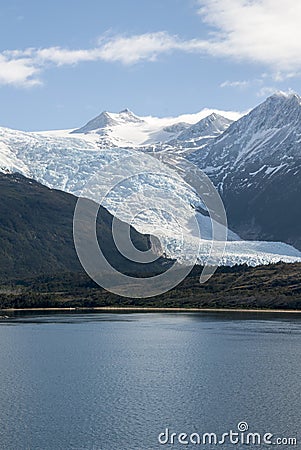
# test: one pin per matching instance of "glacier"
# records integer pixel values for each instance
(67, 159)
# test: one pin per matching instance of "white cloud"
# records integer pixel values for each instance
(124, 49)
(265, 91)
(282, 76)
(130, 50)
(235, 84)
(21, 67)
(61, 56)
(269, 90)
(18, 72)
(260, 31)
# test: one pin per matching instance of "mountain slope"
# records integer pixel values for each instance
(256, 165)
(125, 129)
(67, 161)
(36, 231)
(193, 137)
(211, 126)
(106, 119)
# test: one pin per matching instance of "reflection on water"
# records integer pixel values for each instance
(114, 381)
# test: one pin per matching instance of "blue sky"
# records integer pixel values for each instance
(63, 62)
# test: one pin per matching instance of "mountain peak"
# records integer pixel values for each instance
(285, 94)
(213, 117)
(128, 116)
(211, 125)
(279, 110)
(281, 97)
(125, 111)
(103, 120)
(107, 119)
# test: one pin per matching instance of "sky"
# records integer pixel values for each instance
(63, 62)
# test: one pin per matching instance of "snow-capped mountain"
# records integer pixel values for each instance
(105, 120)
(256, 164)
(189, 138)
(268, 134)
(211, 127)
(67, 160)
(177, 127)
(197, 136)
(125, 129)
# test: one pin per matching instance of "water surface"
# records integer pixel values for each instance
(115, 381)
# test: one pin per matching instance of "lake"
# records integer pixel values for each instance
(116, 381)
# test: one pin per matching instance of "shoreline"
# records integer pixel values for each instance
(154, 309)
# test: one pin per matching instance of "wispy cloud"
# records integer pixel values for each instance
(268, 90)
(130, 50)
(22, 67)
(259, 31)
(127, 50)
(265, 91)
(236, 84)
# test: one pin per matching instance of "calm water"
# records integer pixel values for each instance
(115, 381)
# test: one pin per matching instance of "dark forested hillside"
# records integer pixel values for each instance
(36, 231)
